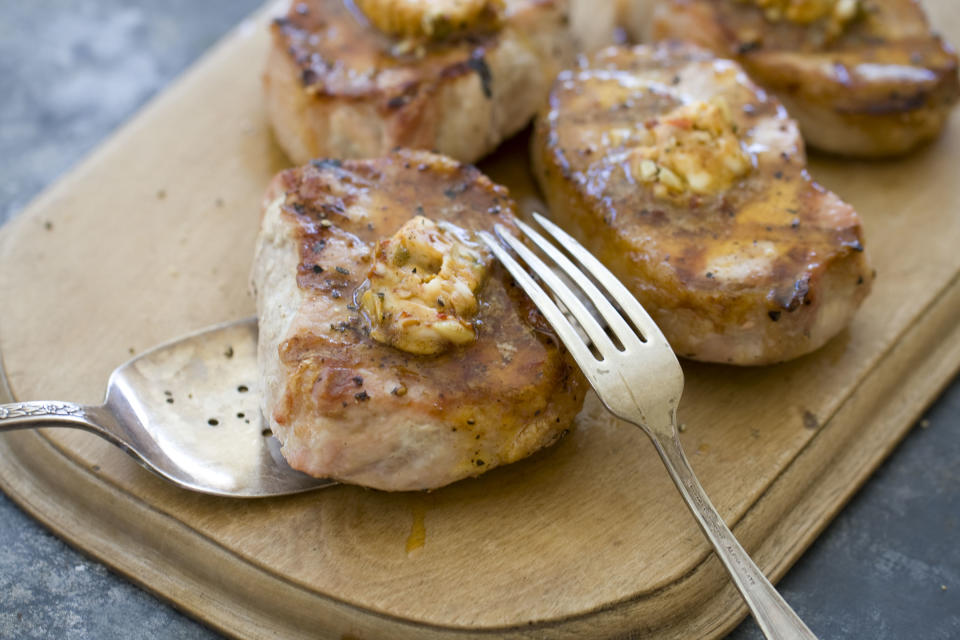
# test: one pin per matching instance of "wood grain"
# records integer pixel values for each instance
(152, 236)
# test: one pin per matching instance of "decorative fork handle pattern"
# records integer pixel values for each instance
(775, 617)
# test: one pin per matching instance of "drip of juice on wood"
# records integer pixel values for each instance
(418, 530)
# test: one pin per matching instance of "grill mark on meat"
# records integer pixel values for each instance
(329, 41)
(459, 194)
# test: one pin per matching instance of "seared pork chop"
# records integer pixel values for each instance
(395, 352)
(863, 77)
(690, 184)
(453, 77)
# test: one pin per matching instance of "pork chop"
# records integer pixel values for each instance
(690, 183)
(395, 352)
(862, 77)
(455, 79)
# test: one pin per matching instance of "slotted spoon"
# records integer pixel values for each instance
(189, 411)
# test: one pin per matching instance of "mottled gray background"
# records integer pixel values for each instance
(71, 71)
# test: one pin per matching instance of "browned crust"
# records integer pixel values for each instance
(495, 404)
(335, 87)
(660, 248)
(828, 85)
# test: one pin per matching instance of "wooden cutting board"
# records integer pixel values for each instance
(152, 237)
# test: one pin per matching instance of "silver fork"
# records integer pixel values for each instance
(640, 382)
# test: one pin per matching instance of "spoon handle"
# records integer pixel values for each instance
(775, 617)
(32, 415)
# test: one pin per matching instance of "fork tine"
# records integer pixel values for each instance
(598, 336)
(624, 332)
(565, 331)
(641, 319)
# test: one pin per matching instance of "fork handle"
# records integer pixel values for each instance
(772, 613)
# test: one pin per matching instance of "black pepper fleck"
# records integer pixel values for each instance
(398, 101)
(323, 163)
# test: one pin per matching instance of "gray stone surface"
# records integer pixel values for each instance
(71, 71)
(888, 568)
